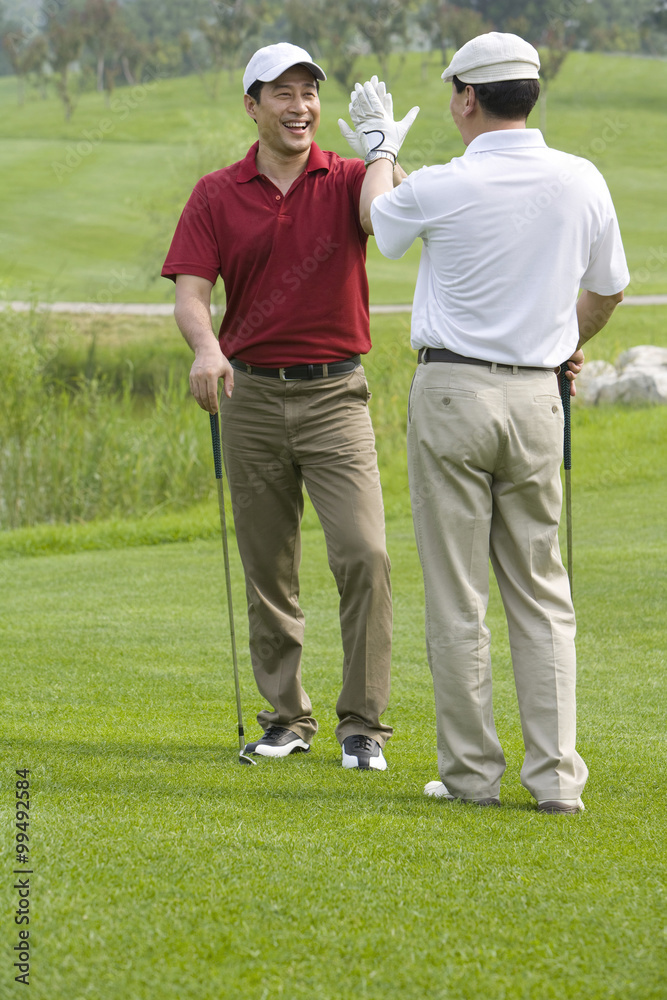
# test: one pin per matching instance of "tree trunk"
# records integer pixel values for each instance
(127, 72)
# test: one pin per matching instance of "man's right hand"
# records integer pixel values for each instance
(193, 316)
(209, 366)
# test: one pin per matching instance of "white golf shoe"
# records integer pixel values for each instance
(438, 790)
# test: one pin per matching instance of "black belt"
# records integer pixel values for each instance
(296, 372)
(428, 354)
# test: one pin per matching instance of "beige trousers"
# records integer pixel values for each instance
(484, 453)
(277, 436)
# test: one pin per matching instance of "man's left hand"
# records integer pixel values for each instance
(575, 364)
(375, 131)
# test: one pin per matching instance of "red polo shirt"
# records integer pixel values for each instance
(294, 265)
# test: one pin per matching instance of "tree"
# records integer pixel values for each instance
(16, 46)
(449, 26)
(658, 16)
(533, 14)
(227, 33)
(100, 26)
(65, 41)
(340, 40)
(381, 24)
(552, 57)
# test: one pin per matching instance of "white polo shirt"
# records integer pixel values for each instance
(511, 231)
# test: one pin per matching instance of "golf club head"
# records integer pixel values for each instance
(244, 759)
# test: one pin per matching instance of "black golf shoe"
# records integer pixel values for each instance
(277, 742)
(363, 753)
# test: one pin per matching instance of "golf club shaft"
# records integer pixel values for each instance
(217, 459)
(567, 464)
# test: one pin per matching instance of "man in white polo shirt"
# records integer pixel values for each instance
(511, 231)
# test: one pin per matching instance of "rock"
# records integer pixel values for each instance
(639, 377)
(648, 357)
(635, 386)
(590, 380)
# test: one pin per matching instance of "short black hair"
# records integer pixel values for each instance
(508, 99)
(255, 89)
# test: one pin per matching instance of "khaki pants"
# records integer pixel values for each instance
(277, 436)
(484, 453)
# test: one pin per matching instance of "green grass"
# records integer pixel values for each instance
(89, 206)
(115, 438)
(163, 869)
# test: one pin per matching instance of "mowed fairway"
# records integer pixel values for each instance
(87, 208)
(162, 868)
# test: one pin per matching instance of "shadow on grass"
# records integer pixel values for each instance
(299, 778)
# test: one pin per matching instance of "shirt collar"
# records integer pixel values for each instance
(317, 160)
(506, 138)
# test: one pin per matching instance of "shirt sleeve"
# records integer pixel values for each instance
(194, 248)
(397, 219)
(607, 272)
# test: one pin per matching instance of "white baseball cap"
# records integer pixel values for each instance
(268, 63)
(493, 57)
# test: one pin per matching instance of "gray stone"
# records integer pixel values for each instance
(646, 357)
(639, 377)
(635, 386)
(590, 380)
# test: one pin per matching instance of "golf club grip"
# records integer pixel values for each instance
(565, 400)
(215, 437)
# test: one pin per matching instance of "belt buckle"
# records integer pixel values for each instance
(284, 378)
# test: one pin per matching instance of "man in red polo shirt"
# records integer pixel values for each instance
(282, 229)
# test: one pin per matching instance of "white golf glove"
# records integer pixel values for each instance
(358, 141)
(375, 134)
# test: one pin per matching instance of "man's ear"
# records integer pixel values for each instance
(250, 105)
(470, 102)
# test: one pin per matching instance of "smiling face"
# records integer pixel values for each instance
(287, 113)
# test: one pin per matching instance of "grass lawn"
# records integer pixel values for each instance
(163, 869)
(88, 207)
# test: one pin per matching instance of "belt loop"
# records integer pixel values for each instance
(310, 371)
(424, 357)
(325, 370)
(248, 369)
(494, 367)
(515, 369)
(281, 373)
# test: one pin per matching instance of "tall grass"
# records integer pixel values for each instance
(90, 447)
(97, 422)
(94, 429)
